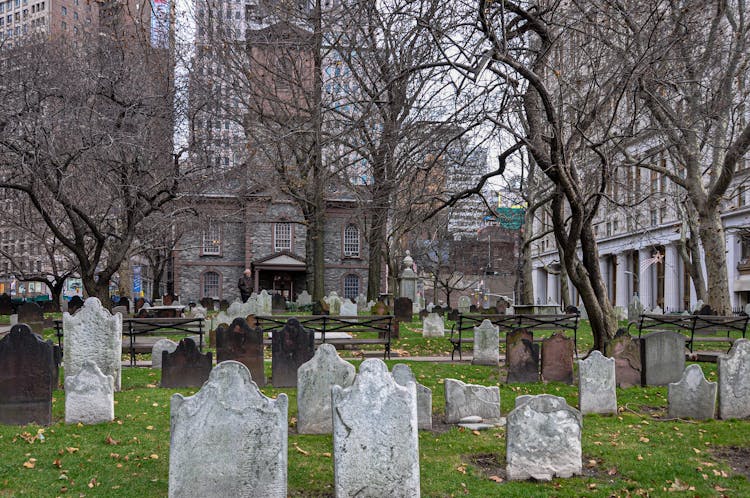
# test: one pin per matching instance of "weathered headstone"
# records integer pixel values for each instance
(169, 299)
(234, 434)
(89, 396)
(543, 439)
(402, 374)
(433, 326)
(429, 307)
(693, 396)
(278, 302)
(240, 342)
(626, 351)
(402, 309)
(292, 346)
(224, 305)
(334, 303)
(26, 377)
(464, 304)
(596, 384)
(439, 310)
(207, 303)
(348, 308)
(361, 302)
(375, 439)
(486, 344)
(93, 333)
(465, 400)
(734, 381)
(186, 366)
(123, 310)
(304, 299)
(635, 308)
(31, 314)
(510, 311)
(6, 304)
(473, 308)
(423, 314)
(13, 319)
(453, 315)
(662, 357)
(75, 303)
(314, 381)
(501, 306)
(521, 356)
(156, 350)
(557, 359)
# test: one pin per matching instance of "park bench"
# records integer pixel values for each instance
(143, 333)
(462, 332)
(699, 328)
(341, 332)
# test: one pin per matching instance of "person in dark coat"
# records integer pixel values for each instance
(245, 285)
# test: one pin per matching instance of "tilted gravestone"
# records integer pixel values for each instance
(596, 384)
(734, 381)
(160, 346)
(626, 351)
(543, 439)
(402, 374)
(635, 309)
(521, 356)
(26, 377)
(466, 400)
(234, 434)
(402, 309)
(186, 366)
(93, 334)
(557, 359)
(693, 396)
(33, 316)
(314, 381)
(291, 346)
(662, 358)
(89, 396)
(240, 342)
(433, 326)
(6, 304)
(464, 304)
(278, 303)
(375, 439)
(486, 344)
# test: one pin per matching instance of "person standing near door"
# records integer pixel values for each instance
(245, 285)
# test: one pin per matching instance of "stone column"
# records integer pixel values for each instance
(552, 286)
(604, 269)
(645, 282)
(540, 294)
(733, 257)
(672, 287)
(622, 298)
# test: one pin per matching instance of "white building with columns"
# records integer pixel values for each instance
(638, 251)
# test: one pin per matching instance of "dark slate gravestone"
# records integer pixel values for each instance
(626, 351)
(6, 305)
(207, 303)
(223, 305)
(403, 309)
(241, 343)
(292, 346)
(473, 308)
(557, 359)
(453, 315)
(522, 356)
(138, 304)
(169, 299)
(124, 301)
(379, 309)
(423, 314)
(75, 304)
(278, 303)
(26, 378)
(186, 366)
(33, 316)
(439, 310)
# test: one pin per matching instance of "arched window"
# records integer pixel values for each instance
(351, 241)
(211, 285)
(351, 286)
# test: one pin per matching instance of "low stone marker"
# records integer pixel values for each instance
(464, 304)
(543, 439)
(228, 439)
(433, 326)
(93, 333)
(663, 357)
(734, 381)
(265, 306)
(402, 309)
(186, 366)
(596, 384)
(292, 346)
(314, 381)
(27, 376)
(278, 303)
(158, 347)
(89, 396)
(557, 359)
(304, 299)
(334, 303)
(375, 440)
(402, 374)
(486, 344)
(465, 400)
(521, 357)
(693, 396)
(240, 342)
(348, 308)
(626, 351)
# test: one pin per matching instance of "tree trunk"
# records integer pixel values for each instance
(714, 246)
(56, 289)
(98, 289)
(376, 242)
(315, 254)
(525, 275)
(564, 288)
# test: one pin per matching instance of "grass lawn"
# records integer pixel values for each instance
(638, 452)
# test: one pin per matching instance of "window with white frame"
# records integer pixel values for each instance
(282, 237)
(351, 286)
(351, 241)
(211, 239)
(211, 284)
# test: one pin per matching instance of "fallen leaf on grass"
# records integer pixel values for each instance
(592, 485)
(720, 489)
(300, 450)
(93, 482)
(496, 478)
(327, 455)
(476, 433)
(71, 449)
(591, 464)
(154, 456)
(644, 439)
(111, 441)
(461, 468)
(612, 471)
(57, 463)
(30, 463)
(639, 458)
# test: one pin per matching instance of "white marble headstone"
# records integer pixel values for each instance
(734, 381)
(467, 400)
(464, 304)
(402, 374)
(89, 396)
(264, 303)
(486, 344)
(160, 346)
(596, 384)
(693, 396)
(433, 326)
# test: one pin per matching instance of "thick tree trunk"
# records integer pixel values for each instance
(97, 288)
(376, 242)
(315, 255)
(564, 288)
(56, 289)
(714, 246)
